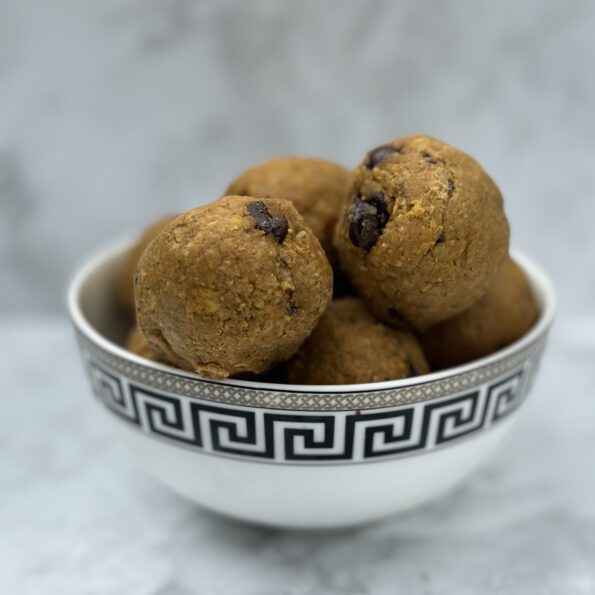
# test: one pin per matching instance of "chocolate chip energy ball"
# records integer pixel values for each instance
(423, 233)
(232, 287)
(350, 346)
(316, 187)
(125, 281)
(505, 313)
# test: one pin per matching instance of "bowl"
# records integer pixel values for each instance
(294, 455)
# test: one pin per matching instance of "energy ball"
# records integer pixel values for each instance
(351, 346)
(506, 312)
(125, 281)
(316, 187)
(423, 233)
(137, 344)
(232, 287)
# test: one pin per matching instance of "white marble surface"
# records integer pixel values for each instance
(77, 515)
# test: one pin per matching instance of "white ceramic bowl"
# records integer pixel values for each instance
(301, 456)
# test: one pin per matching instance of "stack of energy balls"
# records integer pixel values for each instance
(415, 242)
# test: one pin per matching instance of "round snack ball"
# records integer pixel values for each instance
(232, 287)
(351, 346)
(317, 188)
(423, 233)
(506, 312)
(137, 344)
(125, 280)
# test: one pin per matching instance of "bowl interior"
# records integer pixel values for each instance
(97, 296)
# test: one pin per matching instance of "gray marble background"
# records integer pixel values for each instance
(114, 112)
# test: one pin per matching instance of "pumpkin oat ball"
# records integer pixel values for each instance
(232, 287)
(125, 281)
(317, 188)
(423, 233)
(505, 313)
(351, 346)
(137, 344)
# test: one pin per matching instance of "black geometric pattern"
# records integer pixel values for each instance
(505, 395)
(279, 436)
(453, 418)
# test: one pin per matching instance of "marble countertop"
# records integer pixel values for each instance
(78, 515)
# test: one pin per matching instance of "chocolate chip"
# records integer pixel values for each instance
(379, 201)
(291, 309)
(441, 239)
(264, 221)
(280, 228)
(259, 212)
(367, 221)
(451, 187)
(394, 313)
(375, 156)
(427, 157)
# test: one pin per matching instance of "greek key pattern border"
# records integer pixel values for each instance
(340, 437)
(221, 392)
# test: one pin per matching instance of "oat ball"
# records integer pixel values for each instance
(351, 346)
(232, 287)
(505, 313)
(125, 280)
(137, 344)
(423, 233)
(317, 188)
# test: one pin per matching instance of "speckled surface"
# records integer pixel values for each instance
(79, 516)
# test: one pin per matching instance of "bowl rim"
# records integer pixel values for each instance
(538, 280)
